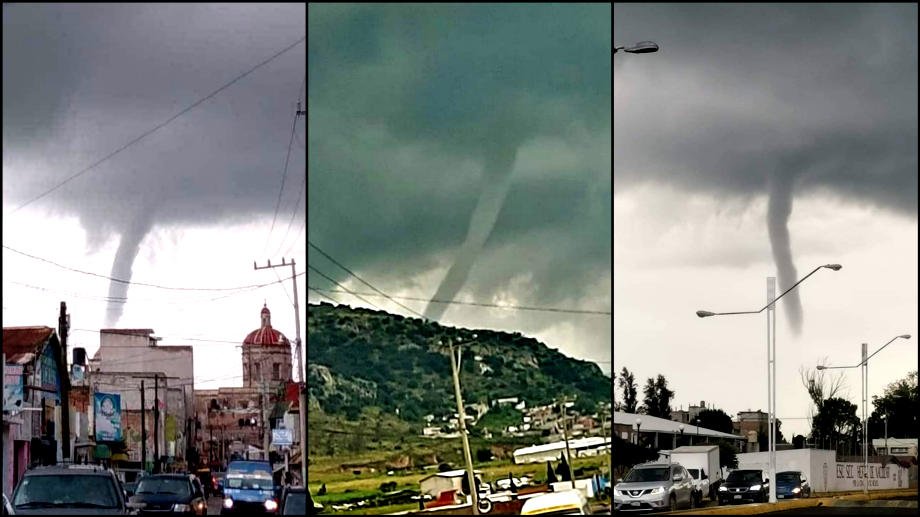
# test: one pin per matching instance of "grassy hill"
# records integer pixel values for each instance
(362, 360)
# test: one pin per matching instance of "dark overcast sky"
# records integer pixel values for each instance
(825, 93)
(406, 104)
(79, 81)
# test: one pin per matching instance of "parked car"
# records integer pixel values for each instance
(567, 502)
(249, 488)
(293, 501)
(60, 489)
(654, 486)
(744, 485)
(792, 484)
(7, 509)
(179, 494)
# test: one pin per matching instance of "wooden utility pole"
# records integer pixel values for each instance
(143, 429)
(156, 423)
(300, 367)
(63, 329)
(471, 474)
(565, 436)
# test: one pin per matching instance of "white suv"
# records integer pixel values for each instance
(654, 486)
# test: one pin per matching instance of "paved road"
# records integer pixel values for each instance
(214, 505)
(848, 510)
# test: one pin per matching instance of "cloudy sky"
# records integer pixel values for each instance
(463, 152)
(190, 205)
(763, 141)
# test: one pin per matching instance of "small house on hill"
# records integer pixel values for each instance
(450, 480)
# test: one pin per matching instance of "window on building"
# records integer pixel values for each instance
(276, 371)
(258, 367)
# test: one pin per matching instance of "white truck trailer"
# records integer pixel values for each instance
(702, 461)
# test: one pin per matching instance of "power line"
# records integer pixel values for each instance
(253, 286)
(350, 272)
(319, 293)
(342, 286)
(493, 305)
(161, 125)
(286, 159)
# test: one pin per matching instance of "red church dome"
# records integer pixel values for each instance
(266, 335)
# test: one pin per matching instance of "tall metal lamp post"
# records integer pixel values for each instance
(771, 361)
(864, 366)
(638, 427)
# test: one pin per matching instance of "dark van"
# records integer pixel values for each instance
(249, 488)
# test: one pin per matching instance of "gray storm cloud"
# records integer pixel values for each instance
(779, 209)
(102, 75)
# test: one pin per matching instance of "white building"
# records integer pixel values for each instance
(896, 446)
(450, 480)
(552, 451)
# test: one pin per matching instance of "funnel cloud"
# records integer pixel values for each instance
(496, 181)
(779, 208)
(128, 248)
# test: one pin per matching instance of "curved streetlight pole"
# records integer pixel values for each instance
(864, 367)
(771, 362)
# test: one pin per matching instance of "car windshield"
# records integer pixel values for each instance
(694, 472)
(295, 504)
(746, 476)
(67, 491)
(643, 475)
(249, 480)
(154, 485)
(787, 477)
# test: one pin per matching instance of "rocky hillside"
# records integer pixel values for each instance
(360, 358)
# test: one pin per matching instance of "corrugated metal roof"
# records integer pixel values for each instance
(21, 344)
(575, 443)
(653, 424)
(128, 332)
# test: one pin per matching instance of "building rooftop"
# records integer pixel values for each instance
(653, 424)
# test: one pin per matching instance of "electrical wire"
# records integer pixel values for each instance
(343, 287)
(160, 125)
(493, 305)
(350, 272)
(287, 158)
(128, 282)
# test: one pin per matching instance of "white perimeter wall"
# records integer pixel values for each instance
(824, 474)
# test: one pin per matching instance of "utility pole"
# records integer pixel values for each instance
(565, 435)
(265, 423)
(156, 423)
(471, 475)
(143, 430)
(300, 366)
(63, 329)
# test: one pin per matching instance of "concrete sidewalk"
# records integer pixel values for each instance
(850, 499)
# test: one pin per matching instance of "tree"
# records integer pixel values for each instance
(715, 419)
(550, 474)
(798, 441)
(835, 420)
(483, 455)
(818, 388)
(562, 470)
(899, 402)
(627, 382)
(728, 454)
(658, 397)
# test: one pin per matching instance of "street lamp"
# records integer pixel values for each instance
(771, 361)
(643, 47)
(864, 366)
(885, 418)
(638, 427)
(681, 427)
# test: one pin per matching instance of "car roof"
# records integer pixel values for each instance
(657, 465)
(83, 470)
(553, 501)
